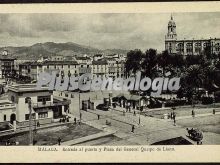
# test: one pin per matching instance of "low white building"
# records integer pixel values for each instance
(7, 111)
(45, 107)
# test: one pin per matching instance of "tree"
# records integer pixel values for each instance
(132, 64)
(163, 60)
(149, 63)
(191, 80)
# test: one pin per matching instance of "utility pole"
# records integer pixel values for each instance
(30, 122)
(79, 108)
(139, 121)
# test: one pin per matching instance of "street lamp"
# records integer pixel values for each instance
(80, 115)
(139, 120)
(28, 100)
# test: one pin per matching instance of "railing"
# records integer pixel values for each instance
(48, 104)
(7, 106)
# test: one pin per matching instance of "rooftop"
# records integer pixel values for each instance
(100, 62)
(50, 63)
(4, 57)
(82, 58)
(25, 88)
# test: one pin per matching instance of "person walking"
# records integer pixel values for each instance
(174, 119)
(80, 116)
(171, 116)
(98, 117)
(59, 141)
(193, 113)
(213, 111)
(134, 113)
(38, 124)
(132, 128)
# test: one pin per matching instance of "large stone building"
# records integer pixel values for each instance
(186, 46)
(7, 69)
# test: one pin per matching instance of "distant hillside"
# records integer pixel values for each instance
(49, 49)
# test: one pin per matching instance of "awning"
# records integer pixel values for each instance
(42, 109)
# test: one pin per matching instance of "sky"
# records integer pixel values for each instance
(105, 31)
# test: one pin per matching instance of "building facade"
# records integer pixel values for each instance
(188, 47)
(7, 69)
(45, 107)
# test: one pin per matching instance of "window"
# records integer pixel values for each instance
(43, 98)
(42, 115)
(27, 116)
(26, 99)
(4, 117)
(13, 99)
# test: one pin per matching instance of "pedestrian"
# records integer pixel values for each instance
(132, 128)
(171, 116)
(213, 111)
(80, 116)
(98, 117)
(134, 113)
(38, 124)
(67, 119)
(174, 121)
(8, 142)
(74, 120)
(193, 113)
(59, 141)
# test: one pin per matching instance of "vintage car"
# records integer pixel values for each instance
(102, 107)
(195, 134)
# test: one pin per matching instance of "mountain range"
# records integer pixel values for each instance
(49, 49)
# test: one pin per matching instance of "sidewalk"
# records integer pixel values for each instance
(86, 138)
(198, 115)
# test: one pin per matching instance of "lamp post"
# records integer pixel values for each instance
(110, 95)
(139, 120)
(80, 115)
(30, 122)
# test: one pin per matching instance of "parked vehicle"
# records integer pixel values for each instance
(102, 107)
(195, 134)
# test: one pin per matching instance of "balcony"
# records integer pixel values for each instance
(51, 104)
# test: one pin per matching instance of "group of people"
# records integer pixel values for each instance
(64, 119)
(172, 116)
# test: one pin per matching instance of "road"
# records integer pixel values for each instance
(149, 131)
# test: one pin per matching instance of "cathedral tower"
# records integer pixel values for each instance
(171, 37)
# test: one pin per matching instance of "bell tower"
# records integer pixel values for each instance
(171, 36)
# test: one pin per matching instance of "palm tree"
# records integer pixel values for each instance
(192, 79)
